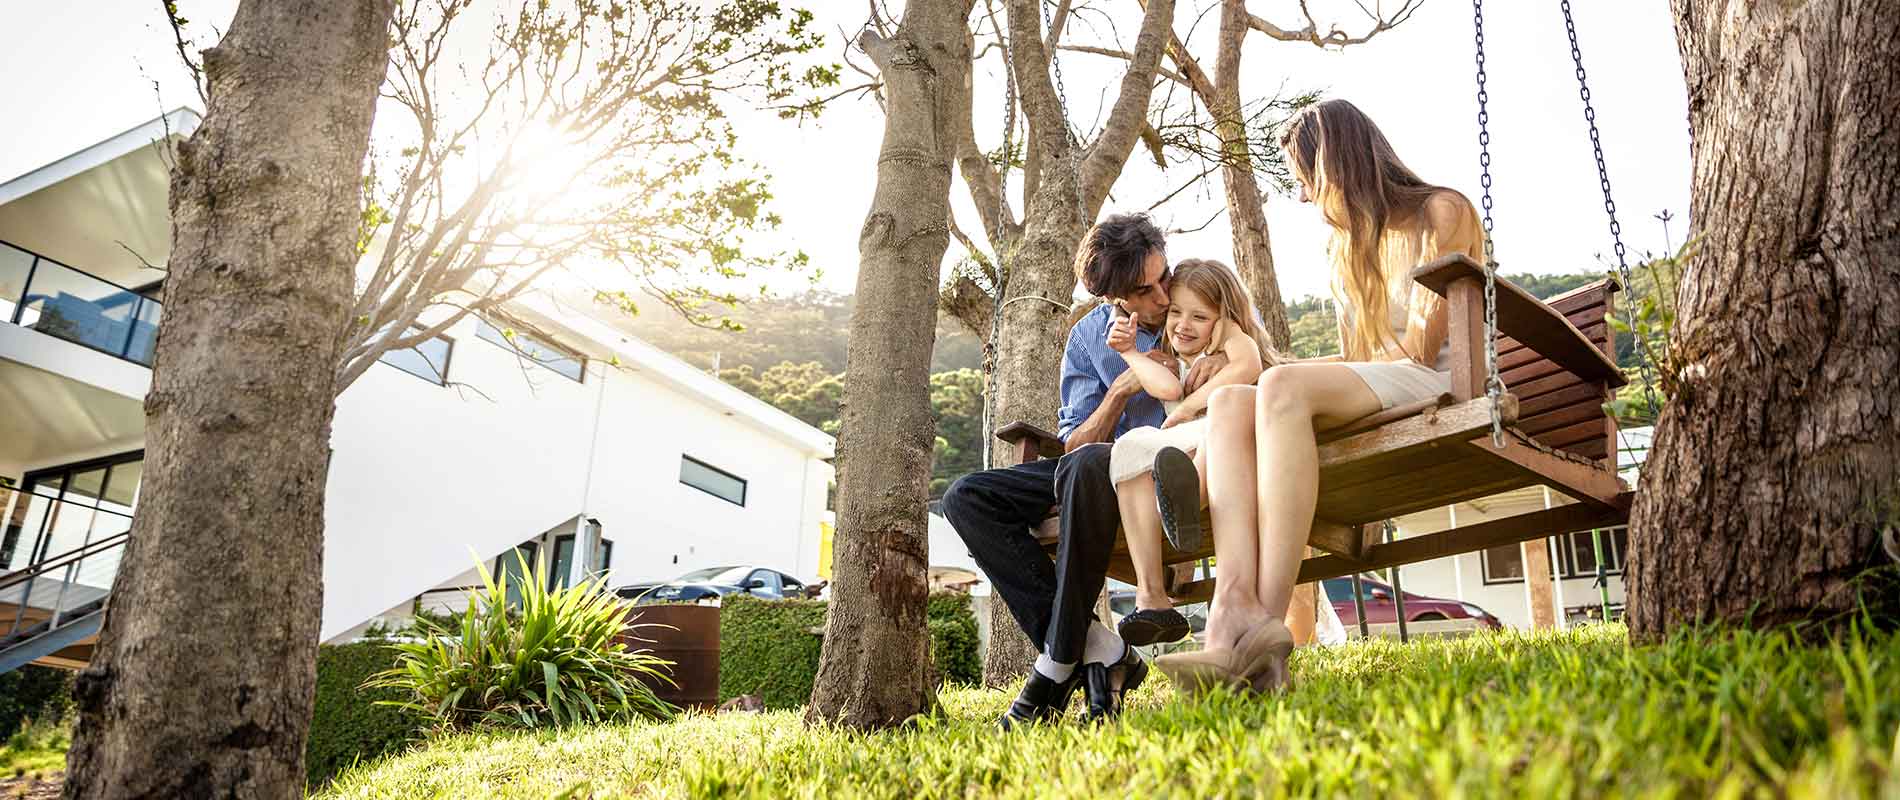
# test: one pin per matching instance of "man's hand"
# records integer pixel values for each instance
(1202, 371)
(1121, 334)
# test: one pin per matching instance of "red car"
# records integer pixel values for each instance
(1380, 607)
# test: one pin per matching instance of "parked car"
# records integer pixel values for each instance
(1380, 607)
(716, 582)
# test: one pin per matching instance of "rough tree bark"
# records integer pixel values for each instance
(875, 637)
(1246, 214)
(1773, 470)
(207, 664)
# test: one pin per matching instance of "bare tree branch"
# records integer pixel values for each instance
(1335, 37)
(1110, 151)
(184, 54)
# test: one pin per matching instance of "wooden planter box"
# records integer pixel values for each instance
(691, 643)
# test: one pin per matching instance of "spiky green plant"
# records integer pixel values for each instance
(559, 659)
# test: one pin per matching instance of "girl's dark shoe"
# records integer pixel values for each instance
(1153, 626)
(1042, 699)
(1178, 498)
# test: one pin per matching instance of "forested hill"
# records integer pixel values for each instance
(792, 355)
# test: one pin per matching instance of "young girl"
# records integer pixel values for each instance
(1208, 312)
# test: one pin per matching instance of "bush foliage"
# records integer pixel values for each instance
(770, 648)
(33, 693)
(351, 722)
(556, 660)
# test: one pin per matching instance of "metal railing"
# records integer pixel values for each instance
(41, 294)
(58, 560)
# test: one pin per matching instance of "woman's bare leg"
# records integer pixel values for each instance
(1231, 494)
(1293, 400)
(1141, 526)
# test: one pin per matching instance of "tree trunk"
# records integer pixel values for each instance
(873, 670)
(1253, 255)
(207, 664)
(1773, 468)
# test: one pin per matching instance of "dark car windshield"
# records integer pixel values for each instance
(726, 575)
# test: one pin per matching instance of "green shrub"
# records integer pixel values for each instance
(33, 692)
(351, 722)
(767, 647)
(38, 745)
(558, 660)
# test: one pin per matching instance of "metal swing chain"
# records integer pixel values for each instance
(1493, 383)
(1062, 104)
(1609, 203)
(1001, 278)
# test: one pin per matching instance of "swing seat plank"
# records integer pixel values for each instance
(1557, 366)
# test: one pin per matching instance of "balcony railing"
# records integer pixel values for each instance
(58, 560)
(44, 295)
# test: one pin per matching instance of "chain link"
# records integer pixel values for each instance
(999, 243)
(1609, 202)
(1493, 383)
(1062, 104)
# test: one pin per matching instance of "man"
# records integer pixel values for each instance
(1124, 260)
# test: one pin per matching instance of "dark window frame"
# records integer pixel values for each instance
(745, 488)
(448, 360)
(65, 473)
(554, 551)
(482, 325)
(1484, 567)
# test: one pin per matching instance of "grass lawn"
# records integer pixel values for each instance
(1576, 713)
(37, 749)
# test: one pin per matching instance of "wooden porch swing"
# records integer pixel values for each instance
(1527, 412)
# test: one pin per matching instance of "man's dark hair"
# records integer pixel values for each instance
(1109, 262)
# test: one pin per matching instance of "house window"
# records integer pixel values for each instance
(560, 361)
(515, 566)
(64, 508)
(428, 360)
(564, 560)
(712, 480)
(1503, 564)
(1577, 557)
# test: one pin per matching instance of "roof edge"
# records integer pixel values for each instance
(179, 123)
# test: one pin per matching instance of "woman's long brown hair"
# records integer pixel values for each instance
(1360, 186)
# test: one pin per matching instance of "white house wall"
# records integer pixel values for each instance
(425, 479)
(1461, 577)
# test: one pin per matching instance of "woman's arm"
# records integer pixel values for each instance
(1243, 366)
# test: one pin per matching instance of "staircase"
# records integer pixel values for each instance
(51, 610)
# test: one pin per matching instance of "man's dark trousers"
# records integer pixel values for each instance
(996, 511)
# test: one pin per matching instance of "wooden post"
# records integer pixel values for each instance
(1464, 300)
(1537, 584)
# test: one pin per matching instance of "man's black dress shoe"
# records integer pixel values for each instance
(1043, 699)
(1108, 685)
(1153, 626)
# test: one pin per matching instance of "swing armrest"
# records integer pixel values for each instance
(1520, 316)
(1030, 442)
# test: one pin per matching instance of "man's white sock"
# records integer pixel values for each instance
(1103, 646)
(1052, 669)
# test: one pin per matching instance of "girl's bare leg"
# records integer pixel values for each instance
(1293, 400)
(1231, 494)
(1141, 526)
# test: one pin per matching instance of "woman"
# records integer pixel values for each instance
(1262, 454)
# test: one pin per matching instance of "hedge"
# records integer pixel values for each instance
(33, 692)
(347, 725)
(767, 647)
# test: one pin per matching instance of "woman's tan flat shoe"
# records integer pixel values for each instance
(1202, 670)
(1270, 675)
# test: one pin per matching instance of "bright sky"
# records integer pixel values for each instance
(92, 68)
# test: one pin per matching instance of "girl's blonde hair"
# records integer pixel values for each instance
(1360, 185)
(1218, 284)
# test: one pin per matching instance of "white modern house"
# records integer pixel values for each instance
(591, 450)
